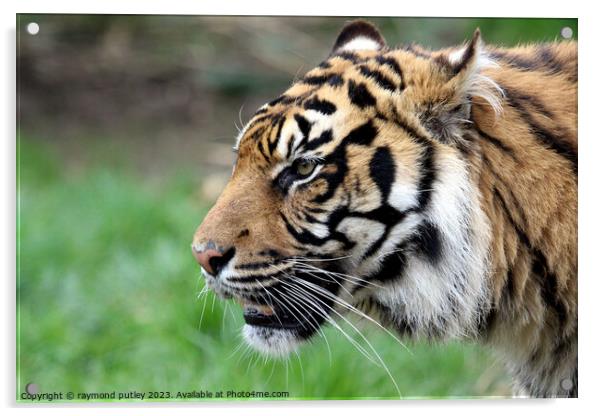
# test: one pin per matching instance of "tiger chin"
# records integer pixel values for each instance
(434, 192)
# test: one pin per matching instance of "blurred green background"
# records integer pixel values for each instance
(125, 125)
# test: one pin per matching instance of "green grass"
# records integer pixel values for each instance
(107, 301)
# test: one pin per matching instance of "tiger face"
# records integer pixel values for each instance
(351, 195)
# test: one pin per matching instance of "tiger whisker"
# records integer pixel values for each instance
(238, 347)
(332, 279)
(353, 309)
(302, 296)
(242, 124)
(302, 372)
(323, 259)
(203, 311)
(213, 304)
(270, 295)
(347, 277)
(271, 372)
(298, 317)
(301, 299)
(385, 367)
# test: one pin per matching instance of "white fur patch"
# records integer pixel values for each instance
(403, 195)
(290, 131)
(477, 84)
(360, 43)
(456, 55)
(270, 341)
(362, 231)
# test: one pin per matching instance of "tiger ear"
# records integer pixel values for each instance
(358, 35)
(468, 80)
(463, 59)
(463, 85)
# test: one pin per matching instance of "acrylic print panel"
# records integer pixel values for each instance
(391, 227)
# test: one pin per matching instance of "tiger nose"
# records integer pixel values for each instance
(211, 259)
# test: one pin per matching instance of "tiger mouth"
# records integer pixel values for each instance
(269, 316)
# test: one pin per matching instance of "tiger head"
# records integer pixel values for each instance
(352, 191)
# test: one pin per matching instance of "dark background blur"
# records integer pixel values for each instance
(125, 128)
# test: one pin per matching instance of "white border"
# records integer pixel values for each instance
(589, 131)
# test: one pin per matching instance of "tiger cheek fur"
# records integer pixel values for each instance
(434, 191)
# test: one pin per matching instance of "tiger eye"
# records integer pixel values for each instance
(305, 167)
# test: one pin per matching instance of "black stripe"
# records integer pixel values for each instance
(272, 144)
(289, 147)
(386, 215)
(547, 280)
(427, 242)
(382, 171)
(304, 124)
(405, 126)
(306, 237)
(270, 253)
(257, 121)
(392, 63)
(381, 79)
(324, 138)
(331, 79)
(549, 285)
(427, 177)
(310, 218)
(508, 188)
(524, 63)
(263, 151)
(497, 142)
(335, 80)
(426, 162)
(322, 106)
(509, 289)
(486, 321)
(252, 278)
(359, 94)
(362, 135)
(348, 56)
(546, 55)
(531, 100)
(256, 135)
(256, 266)
(337, 159)
(392, 266)
(546, 137)
(283, 99)
(544, 60)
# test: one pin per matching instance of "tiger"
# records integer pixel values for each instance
(431, 191)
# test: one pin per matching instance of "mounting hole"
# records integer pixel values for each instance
(566, 32)
(33, 28)
(566, 384)
(32, 388)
